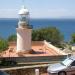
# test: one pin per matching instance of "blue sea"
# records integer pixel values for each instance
(66, 26)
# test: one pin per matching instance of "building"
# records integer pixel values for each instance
(24, 31)
(25, 46)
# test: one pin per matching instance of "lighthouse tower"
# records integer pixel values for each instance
(24, 31)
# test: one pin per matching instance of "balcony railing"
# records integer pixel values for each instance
(25, 26)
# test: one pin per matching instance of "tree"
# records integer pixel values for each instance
(51, 34)
(72, 39)
(3, 45)
(12, 38)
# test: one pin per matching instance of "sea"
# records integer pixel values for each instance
(65, 26)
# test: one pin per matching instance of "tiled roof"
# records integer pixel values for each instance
(38, 47)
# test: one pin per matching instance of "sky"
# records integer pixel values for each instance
(38, 8)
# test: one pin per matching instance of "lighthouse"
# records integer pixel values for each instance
(24, 31)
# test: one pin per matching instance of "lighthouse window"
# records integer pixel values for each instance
(22, 18)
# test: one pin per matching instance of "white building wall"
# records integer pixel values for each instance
(23, 39)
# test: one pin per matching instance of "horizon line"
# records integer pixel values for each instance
(34, 18)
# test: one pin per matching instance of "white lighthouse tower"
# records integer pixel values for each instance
(24, 31)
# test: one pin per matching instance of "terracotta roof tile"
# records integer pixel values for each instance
(38, 48)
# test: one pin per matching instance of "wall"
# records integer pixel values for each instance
(36, 58)
(29, 71)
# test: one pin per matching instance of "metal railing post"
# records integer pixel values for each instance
(37, 72)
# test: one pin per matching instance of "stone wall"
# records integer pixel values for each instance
(29, 71)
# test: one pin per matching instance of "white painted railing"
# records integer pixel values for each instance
(54, 48)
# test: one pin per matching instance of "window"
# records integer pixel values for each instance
(67, 62)
(73, 63)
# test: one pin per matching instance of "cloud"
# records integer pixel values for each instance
(8, 13)
(53, 13)
(44, 13)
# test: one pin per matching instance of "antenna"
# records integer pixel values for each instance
(23, 2)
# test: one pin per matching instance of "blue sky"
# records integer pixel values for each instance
(39, 8)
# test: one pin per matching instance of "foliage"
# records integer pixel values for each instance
(72, 39)
(12, 38)
(51, 34)
(3, 45)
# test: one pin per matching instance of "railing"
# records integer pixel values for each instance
(30, 26)
(55, 48)
(35, 59)
(24, 26)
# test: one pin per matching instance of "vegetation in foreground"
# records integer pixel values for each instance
(3, 45)
(50, 34)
